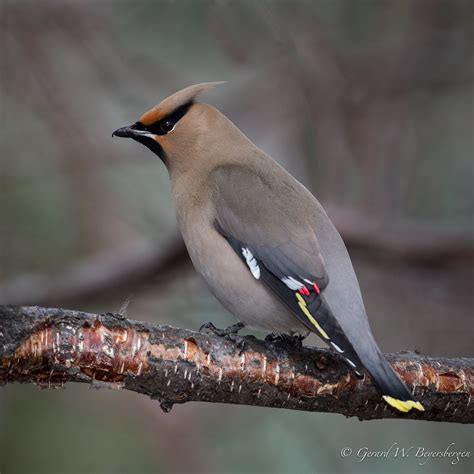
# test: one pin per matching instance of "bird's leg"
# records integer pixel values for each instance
(293, 339)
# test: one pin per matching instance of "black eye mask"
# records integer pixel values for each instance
(166, 124)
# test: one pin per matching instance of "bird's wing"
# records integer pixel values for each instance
(264, 222)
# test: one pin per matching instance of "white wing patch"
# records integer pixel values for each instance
(351, 363)
(251, 262)
(338, 349)
(291, 283)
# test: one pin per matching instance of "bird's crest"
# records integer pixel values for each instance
(173, 102)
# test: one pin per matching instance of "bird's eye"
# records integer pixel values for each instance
(167, 125)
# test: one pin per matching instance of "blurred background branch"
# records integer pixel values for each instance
(111, 273)
(129, 269)
(50, 347)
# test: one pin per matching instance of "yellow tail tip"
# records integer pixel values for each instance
(403, 406)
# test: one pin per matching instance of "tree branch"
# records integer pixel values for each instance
(49, 347)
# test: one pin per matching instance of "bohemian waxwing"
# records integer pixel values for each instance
(262, 242)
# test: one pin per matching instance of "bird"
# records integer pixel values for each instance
(260, 239)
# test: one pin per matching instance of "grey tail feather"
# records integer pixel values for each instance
(386, 379)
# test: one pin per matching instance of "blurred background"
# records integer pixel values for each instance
(368, 103)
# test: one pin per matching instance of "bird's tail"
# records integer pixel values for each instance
(390, 386)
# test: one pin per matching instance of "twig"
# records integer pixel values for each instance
(50, 347)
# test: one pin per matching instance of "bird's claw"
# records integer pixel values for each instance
(230, 333)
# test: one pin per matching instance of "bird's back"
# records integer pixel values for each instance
(283, 206)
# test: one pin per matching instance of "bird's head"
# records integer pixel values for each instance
(174, 127)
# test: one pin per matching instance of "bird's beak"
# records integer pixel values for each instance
(125, 132)
(132, 132)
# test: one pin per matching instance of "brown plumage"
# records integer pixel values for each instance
(174, 101)
(259, 238)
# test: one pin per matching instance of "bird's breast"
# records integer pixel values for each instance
(227, 277)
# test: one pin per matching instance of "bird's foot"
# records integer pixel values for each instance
(293, 340)
(230, 333)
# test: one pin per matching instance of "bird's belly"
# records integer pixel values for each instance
(231, 282)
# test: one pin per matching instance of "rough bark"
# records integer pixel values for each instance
(49, 347)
